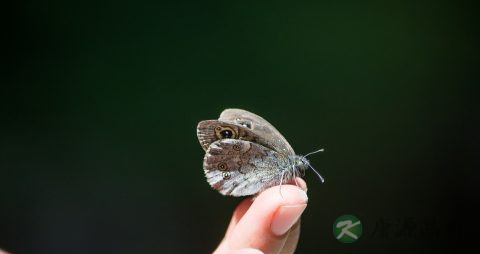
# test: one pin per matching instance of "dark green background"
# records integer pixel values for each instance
(98, 148)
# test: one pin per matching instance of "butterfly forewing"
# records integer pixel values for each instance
(259, 126)
(209, 131)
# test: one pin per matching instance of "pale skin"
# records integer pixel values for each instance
(268, 224)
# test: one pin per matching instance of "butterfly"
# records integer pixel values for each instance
(245, 154)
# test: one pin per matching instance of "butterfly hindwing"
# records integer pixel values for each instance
(240, 168)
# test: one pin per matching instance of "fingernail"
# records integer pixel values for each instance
(285, 217)
(303, 196)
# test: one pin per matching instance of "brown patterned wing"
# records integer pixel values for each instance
(241, 168)
(209, 131)
(259, 126)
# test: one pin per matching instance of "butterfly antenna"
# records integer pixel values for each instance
(318, 174)
(317, 151)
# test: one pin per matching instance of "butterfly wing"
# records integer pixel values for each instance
(259, 126)
(209, 131)
(241, 168)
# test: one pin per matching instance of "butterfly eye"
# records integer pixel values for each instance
(226, 134)
(302, 172)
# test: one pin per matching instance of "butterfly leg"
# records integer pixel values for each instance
(281, 182)
(294, 172)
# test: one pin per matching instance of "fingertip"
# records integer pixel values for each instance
(283, 195)
(285, 217)
(301, 183)
(271, 215)
(289, 206)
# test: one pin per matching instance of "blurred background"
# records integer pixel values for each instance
(98, 146)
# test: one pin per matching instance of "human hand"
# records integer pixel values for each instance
(268, 224)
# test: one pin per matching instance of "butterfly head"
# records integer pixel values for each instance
(301, 164)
